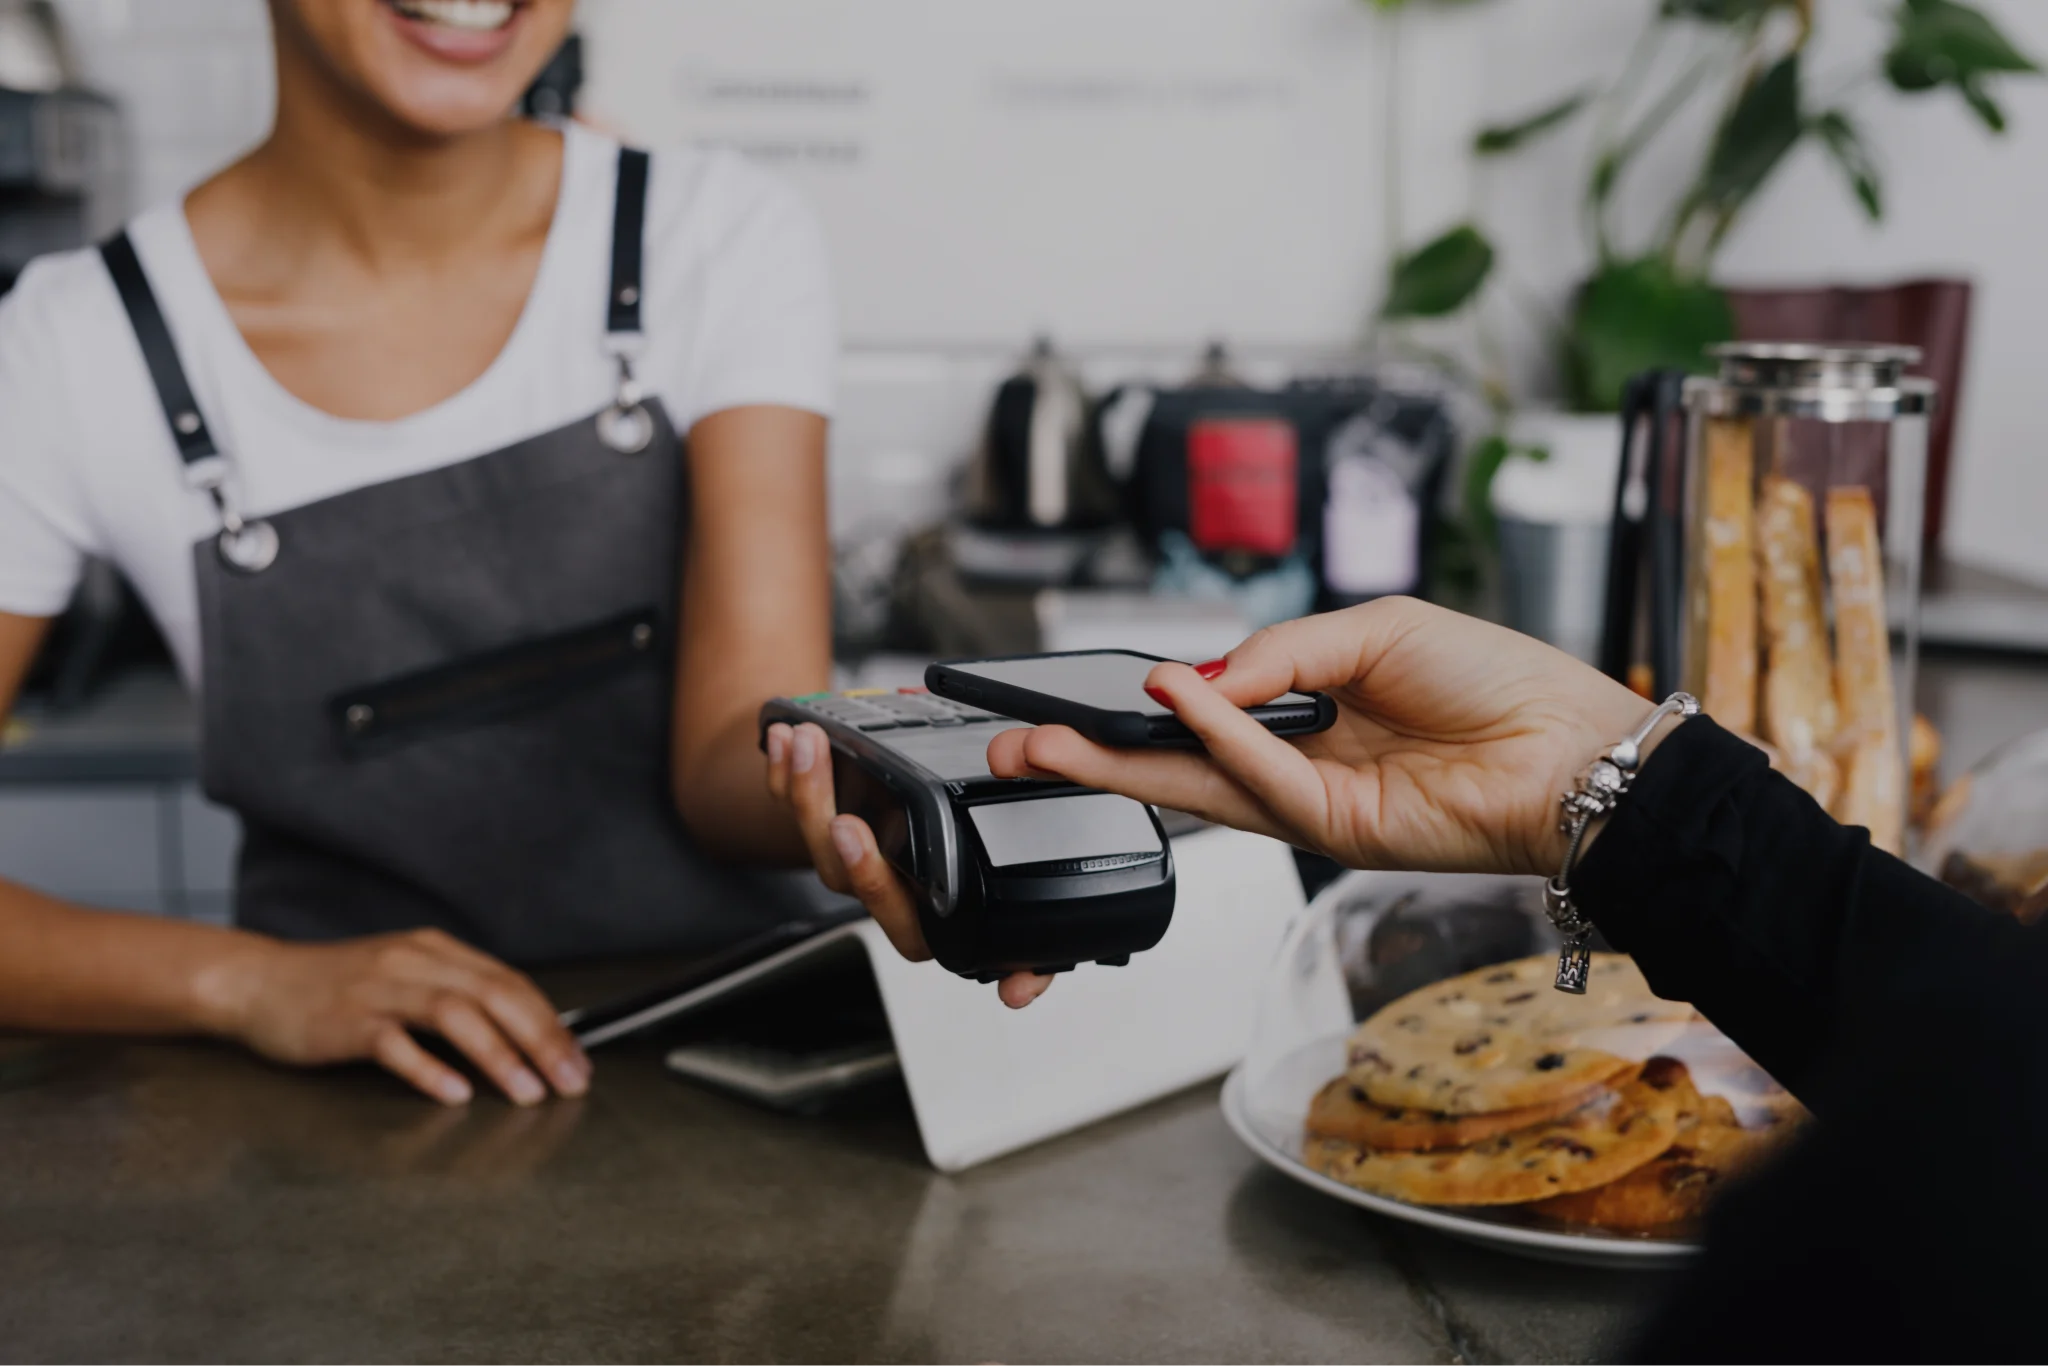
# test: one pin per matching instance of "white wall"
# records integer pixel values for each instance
(1139, 175)
(194, 77)
(1121, 172)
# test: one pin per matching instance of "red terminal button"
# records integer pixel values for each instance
(913, 690)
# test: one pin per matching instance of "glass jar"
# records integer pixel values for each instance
(1806, 470)
(1988, 836)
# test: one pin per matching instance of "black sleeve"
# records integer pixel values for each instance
(1913, 1221)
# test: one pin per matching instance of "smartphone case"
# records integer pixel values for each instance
(1120, 729)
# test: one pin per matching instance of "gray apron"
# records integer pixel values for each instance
(444, 700)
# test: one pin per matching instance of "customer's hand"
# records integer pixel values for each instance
(311, 1004)
(1453, 740)
(844, 852)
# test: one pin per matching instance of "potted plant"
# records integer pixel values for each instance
(1650, 301)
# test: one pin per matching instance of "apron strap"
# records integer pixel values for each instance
(249, 547)
(160, 354)
(626, 426)
(629, 216)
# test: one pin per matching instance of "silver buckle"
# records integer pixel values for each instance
(245, 547)
(249, 548)
(627, 427)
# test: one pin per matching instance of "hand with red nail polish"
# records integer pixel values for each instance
(1453, 739)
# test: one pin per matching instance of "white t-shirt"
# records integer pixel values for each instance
(737, 310)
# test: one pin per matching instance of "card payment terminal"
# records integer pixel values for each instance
(1009, 874)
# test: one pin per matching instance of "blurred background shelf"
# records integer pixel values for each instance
(1981, 609)
(102, 805)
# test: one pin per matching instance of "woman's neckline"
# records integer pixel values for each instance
(242, 357)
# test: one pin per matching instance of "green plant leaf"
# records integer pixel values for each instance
(1846, 148)
(1441, 277)
(1507, 137)
(1909, 71)
(1452, 575)
(1604, 172)
(1481, 468)
(1763, 126)
(1639, 315)
(1944, 42)
(1984, 106)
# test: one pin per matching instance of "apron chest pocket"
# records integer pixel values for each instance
(494, 685)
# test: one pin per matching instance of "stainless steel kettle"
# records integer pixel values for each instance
(1040, 467)
(34, 58)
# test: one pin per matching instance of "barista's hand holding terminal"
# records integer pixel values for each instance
(843, 849)
(1909, 1018)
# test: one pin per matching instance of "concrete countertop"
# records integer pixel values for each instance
(188, 1202)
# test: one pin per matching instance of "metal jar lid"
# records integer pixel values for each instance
(1823, 381)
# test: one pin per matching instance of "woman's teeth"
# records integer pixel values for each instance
(475, 15)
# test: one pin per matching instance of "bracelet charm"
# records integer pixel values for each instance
(1598, 790)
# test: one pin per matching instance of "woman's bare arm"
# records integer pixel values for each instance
(64, 967)
(756, 619)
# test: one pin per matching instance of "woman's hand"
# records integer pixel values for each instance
(311, 1004)
(1454, 739)
(844, 852)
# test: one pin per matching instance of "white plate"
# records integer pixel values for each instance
(1273, 1131)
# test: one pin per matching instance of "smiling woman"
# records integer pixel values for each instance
(474, 469)
(439, 66)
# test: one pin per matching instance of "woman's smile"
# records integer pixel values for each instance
(458, 30)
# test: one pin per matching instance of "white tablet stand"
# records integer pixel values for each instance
(985, 1080)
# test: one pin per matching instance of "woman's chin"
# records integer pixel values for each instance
(448, 113)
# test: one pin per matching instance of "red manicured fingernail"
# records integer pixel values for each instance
(1159, 695)
(1212, 670)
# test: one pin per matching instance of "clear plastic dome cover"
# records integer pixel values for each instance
(1412, 1056)
(1988, 835)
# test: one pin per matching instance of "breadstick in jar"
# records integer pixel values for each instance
(1873, 772)
(1728, 689)
(1873, 793)
(1815, 771)
(1923, 784)
(1799, 686)
(1863, 650)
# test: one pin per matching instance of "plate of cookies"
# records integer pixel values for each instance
(1413, 1058)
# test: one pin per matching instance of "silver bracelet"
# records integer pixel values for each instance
(1598, 790)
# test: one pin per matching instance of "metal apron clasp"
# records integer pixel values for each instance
(627, 427)
(247, 547)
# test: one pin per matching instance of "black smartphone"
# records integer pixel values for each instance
(1101, 693)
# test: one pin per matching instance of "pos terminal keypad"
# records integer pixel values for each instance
(873, 710)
